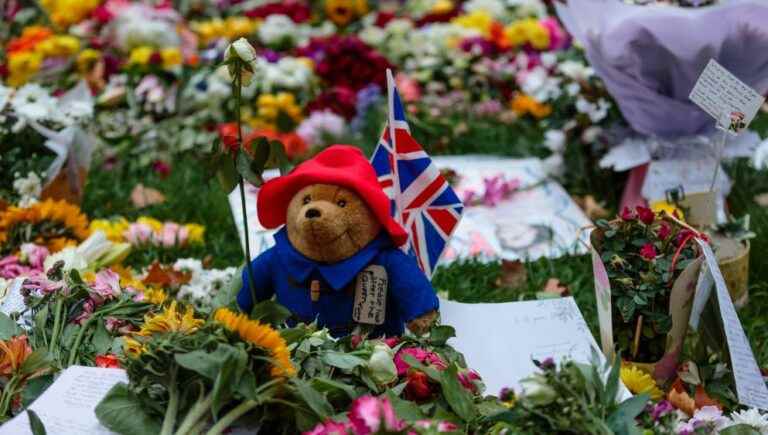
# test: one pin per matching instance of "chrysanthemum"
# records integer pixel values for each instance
(260, 335)
(64, 224)
(171, 319)
(640, 382)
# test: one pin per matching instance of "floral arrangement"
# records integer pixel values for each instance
(644, 254)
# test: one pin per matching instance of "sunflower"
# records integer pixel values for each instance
(56, 225)
(639, 382)
(132, 348)
(154, 295)
(260, 335)
(171, 319)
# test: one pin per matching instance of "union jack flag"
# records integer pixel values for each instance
(421, 199)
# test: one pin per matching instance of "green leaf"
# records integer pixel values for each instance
(35, 424)
(404, 409)
(314, 399)
(122, 412)
(227, 296)
(459, 399)
(342, 360)
(612, 383)
(101, 340)
(38, 359)
(261, 151)
(324, 384)
(278, 158)
(622, 421)
(230, 372)
(34, 388)
(739, 429)
(271, 312)
(209, 364)
(8, 327)
(226, 174)
(439, 335)
(245, 168)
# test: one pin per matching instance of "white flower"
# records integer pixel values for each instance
(537, 391)
(751, 417)
(596, 112)
(139, 24)
(493, 7)
(382, 364)
(28, 188)
(554, 140)
(319, 125)
(591, 134)
(526, 8)
(539, 84)
(760, 157)
(242, 49)
(575, 70)
(548, 59)
(288, 73)
(204, 283)
(277, 28)
(572, 89)
(33, 103)
(72, 259)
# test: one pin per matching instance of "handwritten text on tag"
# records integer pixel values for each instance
(370, 296)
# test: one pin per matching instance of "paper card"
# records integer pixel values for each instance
(724, 97)
(259, 237)
(603, 298)
(701, 208)
(500, 340)
(370, 305)
(12, 301)
(750, 386)
(68, 406)
(627, 155)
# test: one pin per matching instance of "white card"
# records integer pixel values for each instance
(68, 406)
(260, 238)
(500, 340)
(750, 386)
(627, 155)
(370, 304)
(603, 298)
(724, 97)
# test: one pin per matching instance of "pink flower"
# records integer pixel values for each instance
(138, 234)
(419, 387)
(441, 426)
(646, 215)
(392, 341)
(648, 251)
(664, 231)
(370, 414)
(41, 283)
(408, 87)
(420, 355)
(161, 168)
(34, 255)
(558, 38)
(627, 214)
(330, 427)
(106, 286)
(88, 308)
(468, 380)
(10, 267)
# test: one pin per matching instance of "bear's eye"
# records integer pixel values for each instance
(341, 203)
(306, 200)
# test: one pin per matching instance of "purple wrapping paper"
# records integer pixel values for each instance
(651, 56)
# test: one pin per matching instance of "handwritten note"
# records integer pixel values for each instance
(67, 407)
(750, 387)
(500, 340)
(723, 96)
(370, 305)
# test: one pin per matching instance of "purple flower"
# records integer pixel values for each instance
(661, 409)
(479, 46)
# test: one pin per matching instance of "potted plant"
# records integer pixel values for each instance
(651, 262)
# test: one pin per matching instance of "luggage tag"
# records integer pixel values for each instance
(370, 305)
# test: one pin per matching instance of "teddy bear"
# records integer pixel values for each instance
(337, 257)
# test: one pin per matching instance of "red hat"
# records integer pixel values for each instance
(340, 165)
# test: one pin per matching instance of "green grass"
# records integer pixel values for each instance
(191, 197)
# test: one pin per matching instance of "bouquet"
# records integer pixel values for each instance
(650, 263)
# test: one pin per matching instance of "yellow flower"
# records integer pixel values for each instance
(132, 348)
(154, 295)
(22, 66)
(196, 232)
(479, 20)
(639, 382)
(60, 45)
(442, 7)
(171, 57)
(525, 104)
(171, 320)
(671, 209)
(529, 31)
(86, 59)
(538, 36)
(151, 222)
(209, 30)
(341, 12)
(114, 229)
(61, 224)
(271, 105)
(261, 335)
(67, 12)
(140, 55)
(238, 27)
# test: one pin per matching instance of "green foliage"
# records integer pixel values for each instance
(121, 411)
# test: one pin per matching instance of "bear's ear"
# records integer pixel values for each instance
(422, 324)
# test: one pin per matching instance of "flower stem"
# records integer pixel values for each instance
(56, 325)
(169, 421)
(197, 411)
(78, 339)
(231, 416)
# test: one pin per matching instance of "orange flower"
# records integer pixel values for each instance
(13, 353)
(525, 104)
(30, 37)
(295, 146)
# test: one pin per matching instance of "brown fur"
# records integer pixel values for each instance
(328, 223)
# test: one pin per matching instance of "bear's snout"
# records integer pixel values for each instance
(312, 213)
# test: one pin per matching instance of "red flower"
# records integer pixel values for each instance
(346, 61)
(228, 136)
(297, 11)
(418, 387)
(356, 340)
(339, 100)
(645, 214)
(648, 251)
(664, 231)
(627, 214)
(161, 168)
(108, 361)
(392, 341)
(294, 145)
(683, 235)
(468, 379)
